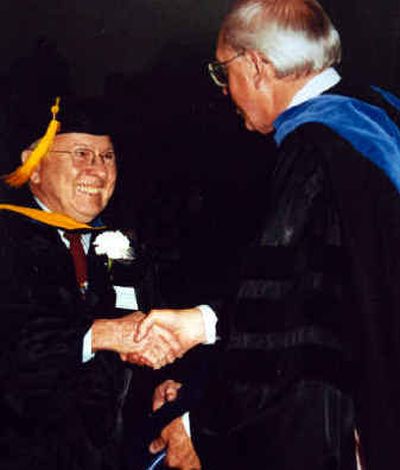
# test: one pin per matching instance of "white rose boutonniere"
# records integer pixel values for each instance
(120, 263)
(115, 245)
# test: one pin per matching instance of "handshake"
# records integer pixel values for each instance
(153, 340)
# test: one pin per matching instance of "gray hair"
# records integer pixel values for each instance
(296, 36)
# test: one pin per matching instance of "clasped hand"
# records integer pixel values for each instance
(156, 349)
(154, 340)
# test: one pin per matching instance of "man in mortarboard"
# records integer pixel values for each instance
(62, 383)
(313, 330)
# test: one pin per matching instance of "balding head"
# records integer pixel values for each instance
(295, 36)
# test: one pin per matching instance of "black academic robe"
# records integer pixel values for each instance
(56, 411)
(315, 319)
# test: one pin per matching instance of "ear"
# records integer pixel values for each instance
(35, 176)
(257, 66)
(262, 69)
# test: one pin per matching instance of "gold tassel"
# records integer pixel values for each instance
(54, 219)
(22, 174)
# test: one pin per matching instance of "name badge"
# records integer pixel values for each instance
(125, 298)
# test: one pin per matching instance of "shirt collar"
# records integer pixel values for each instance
(40, 204)
(316, 86)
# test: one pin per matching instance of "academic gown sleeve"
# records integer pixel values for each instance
(369, 209)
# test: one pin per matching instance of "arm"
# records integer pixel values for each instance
(44, 320)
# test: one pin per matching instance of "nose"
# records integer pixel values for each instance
(97, 159)
(97, 163)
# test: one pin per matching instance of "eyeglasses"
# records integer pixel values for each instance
(86, 155)
(218, 70)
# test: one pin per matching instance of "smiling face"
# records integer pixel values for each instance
(76, 187)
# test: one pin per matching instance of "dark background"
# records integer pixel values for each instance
(100, 38)
(191, 178)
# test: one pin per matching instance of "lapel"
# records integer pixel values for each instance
(57, 273)
(56, 264)
(50, 253)
(100, 289)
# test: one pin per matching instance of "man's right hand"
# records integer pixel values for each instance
(186, 325)
(158, 348)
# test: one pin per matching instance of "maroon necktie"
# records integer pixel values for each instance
(79, 257)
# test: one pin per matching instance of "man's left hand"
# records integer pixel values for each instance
(180, 451)
(165, 392)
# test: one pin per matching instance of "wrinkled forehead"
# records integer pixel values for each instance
(73, 139)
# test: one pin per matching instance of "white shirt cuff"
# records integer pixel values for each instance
(186, 423)
(87, 353)
(210, 323)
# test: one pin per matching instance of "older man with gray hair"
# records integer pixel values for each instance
(69, 304)
(312, 347)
